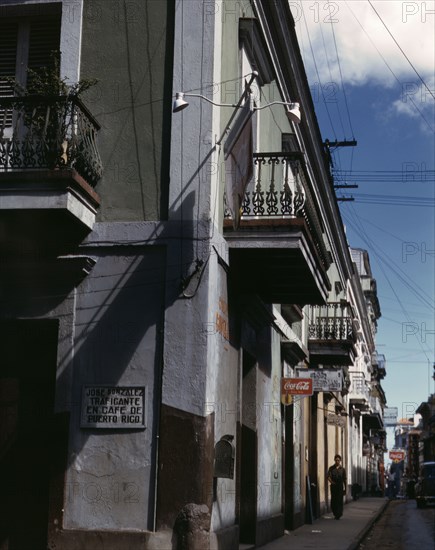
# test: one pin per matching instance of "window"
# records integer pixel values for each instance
(25, 43)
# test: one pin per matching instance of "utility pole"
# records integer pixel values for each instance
(334, 144)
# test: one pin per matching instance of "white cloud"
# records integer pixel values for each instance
(364, 46)
(416, 102)
(367, 53)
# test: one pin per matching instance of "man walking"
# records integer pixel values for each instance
(337, 479)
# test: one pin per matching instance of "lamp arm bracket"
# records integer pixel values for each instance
(274, 103)
(210, 101)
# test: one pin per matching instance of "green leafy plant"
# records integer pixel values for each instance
(46, 119)
(46, 81)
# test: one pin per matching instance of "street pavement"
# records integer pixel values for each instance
(326, 533)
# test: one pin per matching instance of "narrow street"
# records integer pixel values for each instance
(402, 526)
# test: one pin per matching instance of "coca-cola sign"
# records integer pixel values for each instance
(397, 456)
(297, 386)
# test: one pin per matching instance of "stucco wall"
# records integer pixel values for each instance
(269, 430)
(222, 387)
(118, 319)
(128, 47)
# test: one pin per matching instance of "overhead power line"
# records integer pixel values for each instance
(388, 66)
(383, 230)
(318, 74)
(331, 78)
(383, 258)
(341, 74)
(393, 200)
(385, 176)
(404, 54)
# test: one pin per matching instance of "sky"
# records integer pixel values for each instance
(371, 70)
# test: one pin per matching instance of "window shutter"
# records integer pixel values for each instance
(8, 56)
(8, 61)
(21, 49)
(44, 41)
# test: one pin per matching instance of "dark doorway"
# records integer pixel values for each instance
(28, 351)
(248, 452)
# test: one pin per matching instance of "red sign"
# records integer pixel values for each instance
(295, 386)
(397, 456)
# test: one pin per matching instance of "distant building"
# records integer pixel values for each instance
(427, 434)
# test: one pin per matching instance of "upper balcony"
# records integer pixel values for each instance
(277, 250)
(331, 334)
(359, 392)
(375, 405)
(378, 366)
(49, 165)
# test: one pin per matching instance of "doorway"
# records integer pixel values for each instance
(28, 355)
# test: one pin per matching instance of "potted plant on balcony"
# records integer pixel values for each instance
(45, 121)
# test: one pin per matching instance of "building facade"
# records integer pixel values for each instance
(161, 274)
(425, 441)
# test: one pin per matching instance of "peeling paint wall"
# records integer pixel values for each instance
(118, 323)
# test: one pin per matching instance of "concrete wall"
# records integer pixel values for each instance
(299, 461)
(223, 393)
(118, 323)
(128, 47)
(195, 285)
(231, 61)
(269, 430)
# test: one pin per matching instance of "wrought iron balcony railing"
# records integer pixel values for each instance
(359, 387)
(48, 132)
(279, 189)
(332, 321)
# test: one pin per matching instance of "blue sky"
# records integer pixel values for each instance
(373, 80)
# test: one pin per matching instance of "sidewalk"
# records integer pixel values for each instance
(328, 534)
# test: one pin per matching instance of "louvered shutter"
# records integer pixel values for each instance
(8, 55)
(8, 61)
(35, 50)
(44, 42)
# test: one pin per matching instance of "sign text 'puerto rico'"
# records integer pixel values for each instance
(113, 407)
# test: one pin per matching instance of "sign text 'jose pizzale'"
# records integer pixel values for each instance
(113, 407)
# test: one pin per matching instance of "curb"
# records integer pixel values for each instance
(361, 535)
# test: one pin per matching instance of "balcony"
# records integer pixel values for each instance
(378, 366)
(288, 322)
(359, 393)
(375, 405)
(372, 421)
(331, 334)
(277, 251)
(49, 165)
